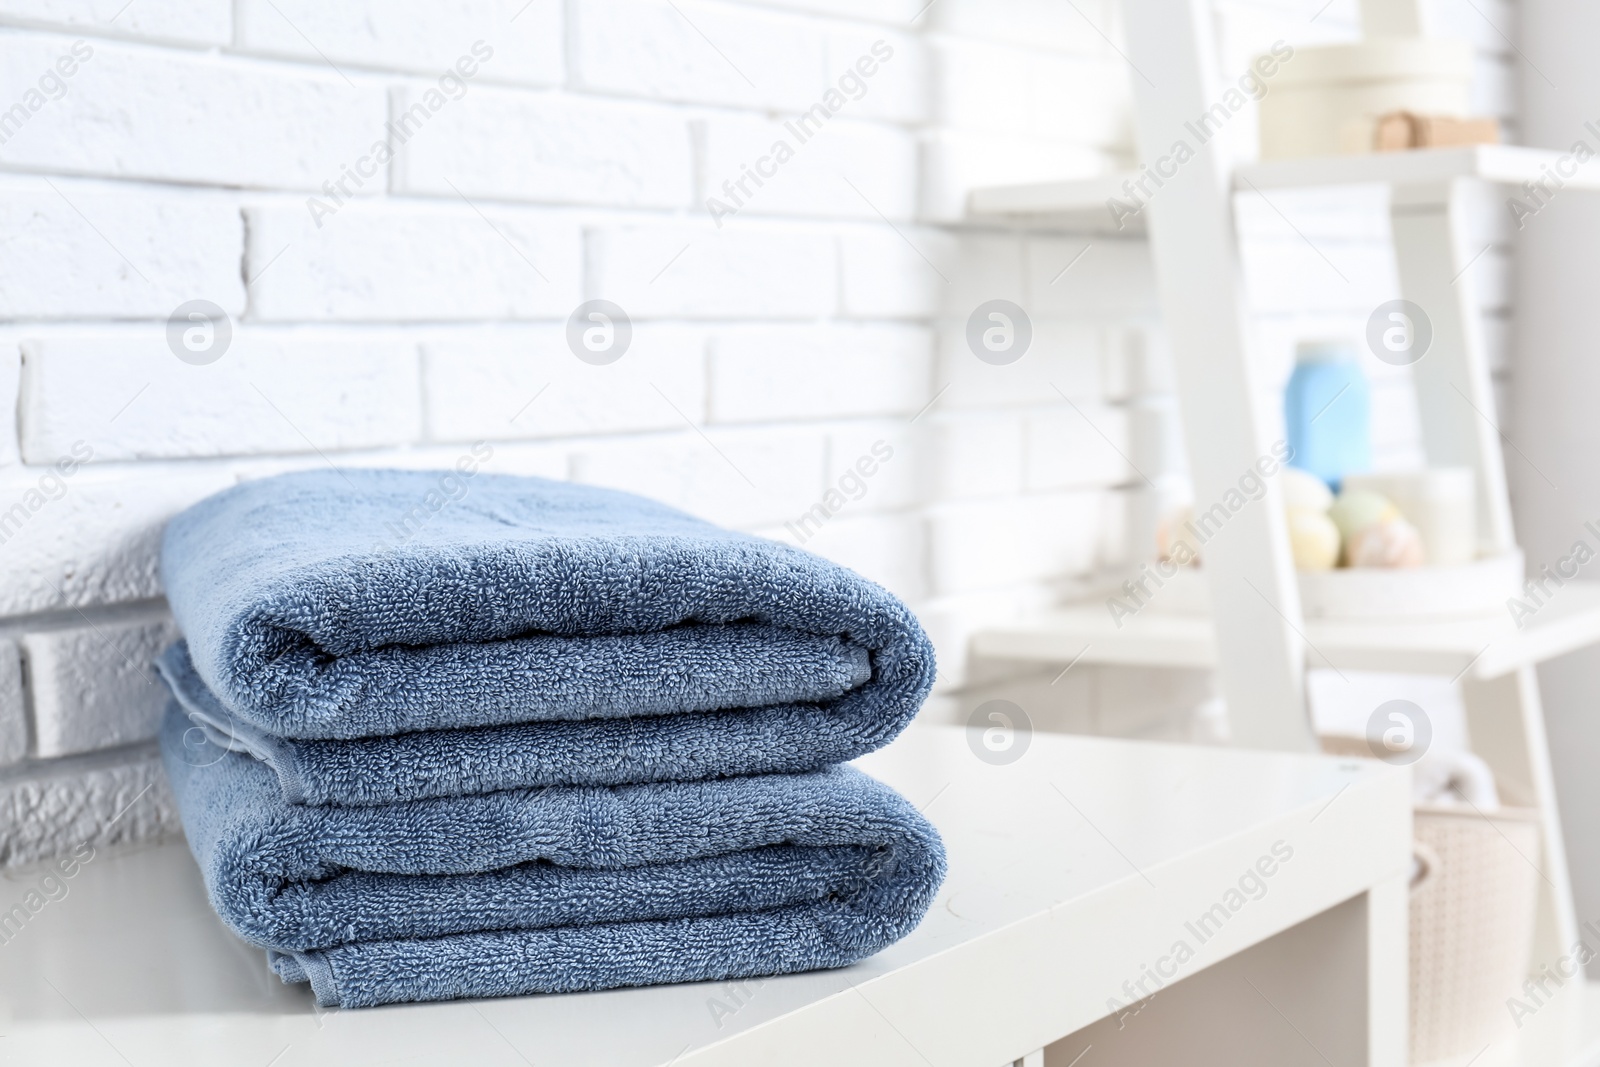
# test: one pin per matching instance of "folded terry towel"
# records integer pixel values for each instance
(524, 600)
(1449, 776)
(783, 739)
(558, 889)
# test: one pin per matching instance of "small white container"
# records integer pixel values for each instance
(1322, 100)
(1440, 502)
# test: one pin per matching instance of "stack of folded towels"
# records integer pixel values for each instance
(555, 738)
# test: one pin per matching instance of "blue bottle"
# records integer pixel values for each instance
(1327, 409)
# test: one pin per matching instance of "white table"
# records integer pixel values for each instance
(1072, 871)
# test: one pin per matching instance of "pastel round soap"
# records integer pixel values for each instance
(1302, 489)
(1391, 542)
(1313, 539)
(1360, 508)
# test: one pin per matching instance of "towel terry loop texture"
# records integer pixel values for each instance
(555, 738)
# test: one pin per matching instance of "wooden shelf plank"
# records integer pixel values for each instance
(1482, 647)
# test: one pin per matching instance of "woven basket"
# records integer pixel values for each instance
(1473, 902)
(1472, 915)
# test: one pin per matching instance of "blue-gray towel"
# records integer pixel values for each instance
(351, 604)
(553, 890)
(784, 739)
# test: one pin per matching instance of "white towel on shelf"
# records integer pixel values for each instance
(1454, 776)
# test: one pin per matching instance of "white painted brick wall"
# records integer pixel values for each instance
(380, 263)
(524, 38)
(710, 53)
(1074, 28)
(13, 706)
(1070, 448)
(978, 454)
(978, 267)
(994, 543)
(746, 478)
(196, 145)
(10, 390)
(94, 686)
(129, 397)
(898, 89)
(97, 542)
(955, 161)
(50, 809)
(133, 111)
(1066, 99)
(584, 151)
(531, 385)
(885, 274)
(894, 12)
(747, 270)
(845, 169)
(89, 250)
(894, 473)
(1089, 278)
(1067, 358)
(766, 374)
(204, 22)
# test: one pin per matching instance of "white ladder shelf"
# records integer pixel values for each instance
(1260, 649)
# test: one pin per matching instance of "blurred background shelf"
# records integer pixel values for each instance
(1505, 164)
(1080, 203)
(1085, 202)
(1479, 647)
(1260, 626)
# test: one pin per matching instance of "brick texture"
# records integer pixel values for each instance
(546, 147)
(13, 706)
(207, 22)
(94, 686)
(371, 262)
(130, 397)
(179, 116)
(413, 35)
(381, 218)
(92, 250)
(101, 803)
